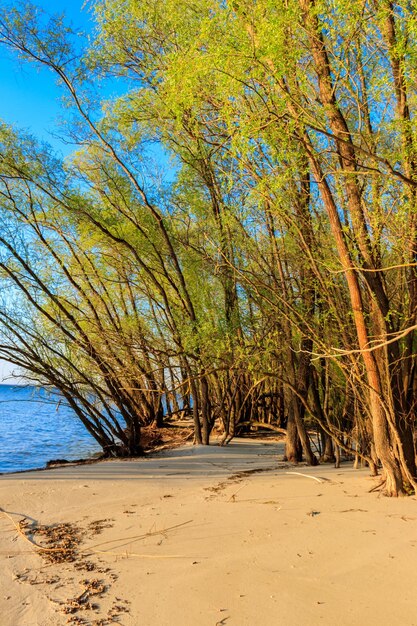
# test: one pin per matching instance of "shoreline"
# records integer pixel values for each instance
(35, 427)
(246, 538)
(167, 445)
(51, 464)
(96, 456)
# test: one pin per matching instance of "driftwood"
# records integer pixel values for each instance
(276, 429)
(319, 480)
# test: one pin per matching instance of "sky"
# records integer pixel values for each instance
(30, 99)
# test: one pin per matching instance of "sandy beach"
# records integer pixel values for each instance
(206, 536)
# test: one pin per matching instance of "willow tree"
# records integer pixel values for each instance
(284, 253)
(335, 82)
(345, 89)
(118, 208)
(215, 131)
(68, 311)
(368, 169)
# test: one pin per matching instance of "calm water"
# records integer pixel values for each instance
(34, 430)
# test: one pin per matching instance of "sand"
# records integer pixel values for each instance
(197, 536)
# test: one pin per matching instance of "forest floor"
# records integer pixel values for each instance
(205, 537)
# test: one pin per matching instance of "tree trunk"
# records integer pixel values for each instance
(293, 449)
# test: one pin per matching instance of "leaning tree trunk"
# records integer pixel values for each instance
(387, 438)
(384, 446)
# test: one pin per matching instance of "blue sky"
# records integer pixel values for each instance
(30, 99)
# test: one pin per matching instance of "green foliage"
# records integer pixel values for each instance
(291, 127)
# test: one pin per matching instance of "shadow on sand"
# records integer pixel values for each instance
(188, 461)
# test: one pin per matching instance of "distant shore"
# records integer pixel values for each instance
(244, 539)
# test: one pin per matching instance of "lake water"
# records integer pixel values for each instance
(35, 428)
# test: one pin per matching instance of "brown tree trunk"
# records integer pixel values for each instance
(327, 455)
(388, 444)
(293, 449)
(205, 411)
(196, 413)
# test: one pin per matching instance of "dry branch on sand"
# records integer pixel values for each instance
(59, 544)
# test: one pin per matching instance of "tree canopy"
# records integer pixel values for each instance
(270, 277)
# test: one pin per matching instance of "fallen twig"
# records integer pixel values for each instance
(137, 537)
(93, 549)
(319, 480)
